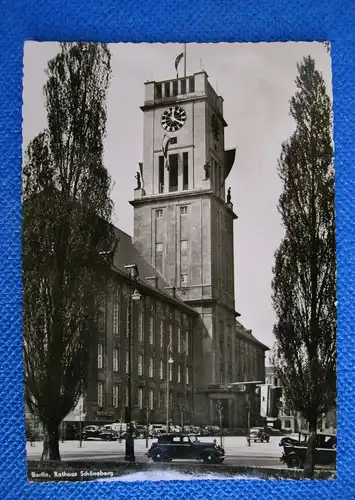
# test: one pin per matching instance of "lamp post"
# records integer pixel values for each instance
(219, 410)
(169, 361)
(133, 277)
(147, 424)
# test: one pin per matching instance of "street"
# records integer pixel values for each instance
(236, 448)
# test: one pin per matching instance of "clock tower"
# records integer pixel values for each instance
(183, 222)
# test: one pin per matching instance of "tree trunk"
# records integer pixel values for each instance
(51, 444)
(311, 450)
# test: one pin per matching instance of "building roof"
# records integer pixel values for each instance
(247, 335)
(127, 253)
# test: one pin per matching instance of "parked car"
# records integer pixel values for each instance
(181, 446)
(91, 431)
(291, 440)
(109, 434)
(258, 434)
(295, 453)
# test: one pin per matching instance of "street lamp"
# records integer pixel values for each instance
(219, 410)
(169, 361)
(135, 296)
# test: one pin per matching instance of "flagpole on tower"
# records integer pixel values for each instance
(184, 60)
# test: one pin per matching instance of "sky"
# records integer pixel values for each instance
(256, 82)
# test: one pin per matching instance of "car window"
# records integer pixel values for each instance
(176, 439)
(185, 439)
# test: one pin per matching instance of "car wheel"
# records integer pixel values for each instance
(209, 459)
(293, 462)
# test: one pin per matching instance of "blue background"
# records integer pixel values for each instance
(170, 21)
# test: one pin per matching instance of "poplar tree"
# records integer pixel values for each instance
(304, 282)
(66, 235)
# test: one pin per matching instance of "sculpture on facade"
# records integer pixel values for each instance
(229, 196)
(138, 177)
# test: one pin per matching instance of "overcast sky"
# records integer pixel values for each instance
(256, 82)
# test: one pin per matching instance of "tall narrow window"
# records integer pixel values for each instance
(140, 326)
(170, 372)
(185, 165)
(173, 172)
(158, 91)
(151, 399)
(161, 369)
(115, 396)
(192, 84)
(99, 355)
(187, 342)
(167, 89)
(175, 87)
(187, 376)
(161, 174)
(159, 213)
(183, 210)
(151, 367)
(115, 316)
(183, 86)
(161, 334)
(101, 321)
(178, 374)
(151, 331)
(127, 362)
(171, 335)
(178, 336)
(140, 398)
(140, 365)
(183, 245)
(115, 360)
(100, 394)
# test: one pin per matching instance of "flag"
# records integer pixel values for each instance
(264, 399)
(177, 62)
(165, 147)
(141, 172)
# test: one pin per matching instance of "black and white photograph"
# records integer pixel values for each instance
(179, 261)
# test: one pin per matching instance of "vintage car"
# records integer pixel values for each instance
(90, 431)
(109, 434)
(295, 453)
(183, 446)
(258, 434)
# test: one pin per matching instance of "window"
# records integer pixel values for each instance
(187, 342)
(171, 335)
(173, 140)
(115, 317)
(115, 396)
(140, 365)
(185, 170)
(161, 334)
(151, 367)
(192, 84)
(161, 173)
(115, 360)
(159, 213)
(159, 247)
(161, 369)
(183, 210)
(99, 355)
(170, 372)
(140, 326)
(151, 399)
(100, 392)
(127, 362)
(183, 244)
(175, 87)
(140, 398)
(167, 89)
(173, 172)
(178, 374)
(158, 91)
(187, 375)
(178, 335)
(101, 322)
(151, 331)
(183, 86)
(184, 278)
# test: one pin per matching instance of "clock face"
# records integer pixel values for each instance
(215, 127)
(173, 118)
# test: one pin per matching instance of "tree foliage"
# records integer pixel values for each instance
(304, 283)
(66, 234)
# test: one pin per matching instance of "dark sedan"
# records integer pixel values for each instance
(181, 446)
